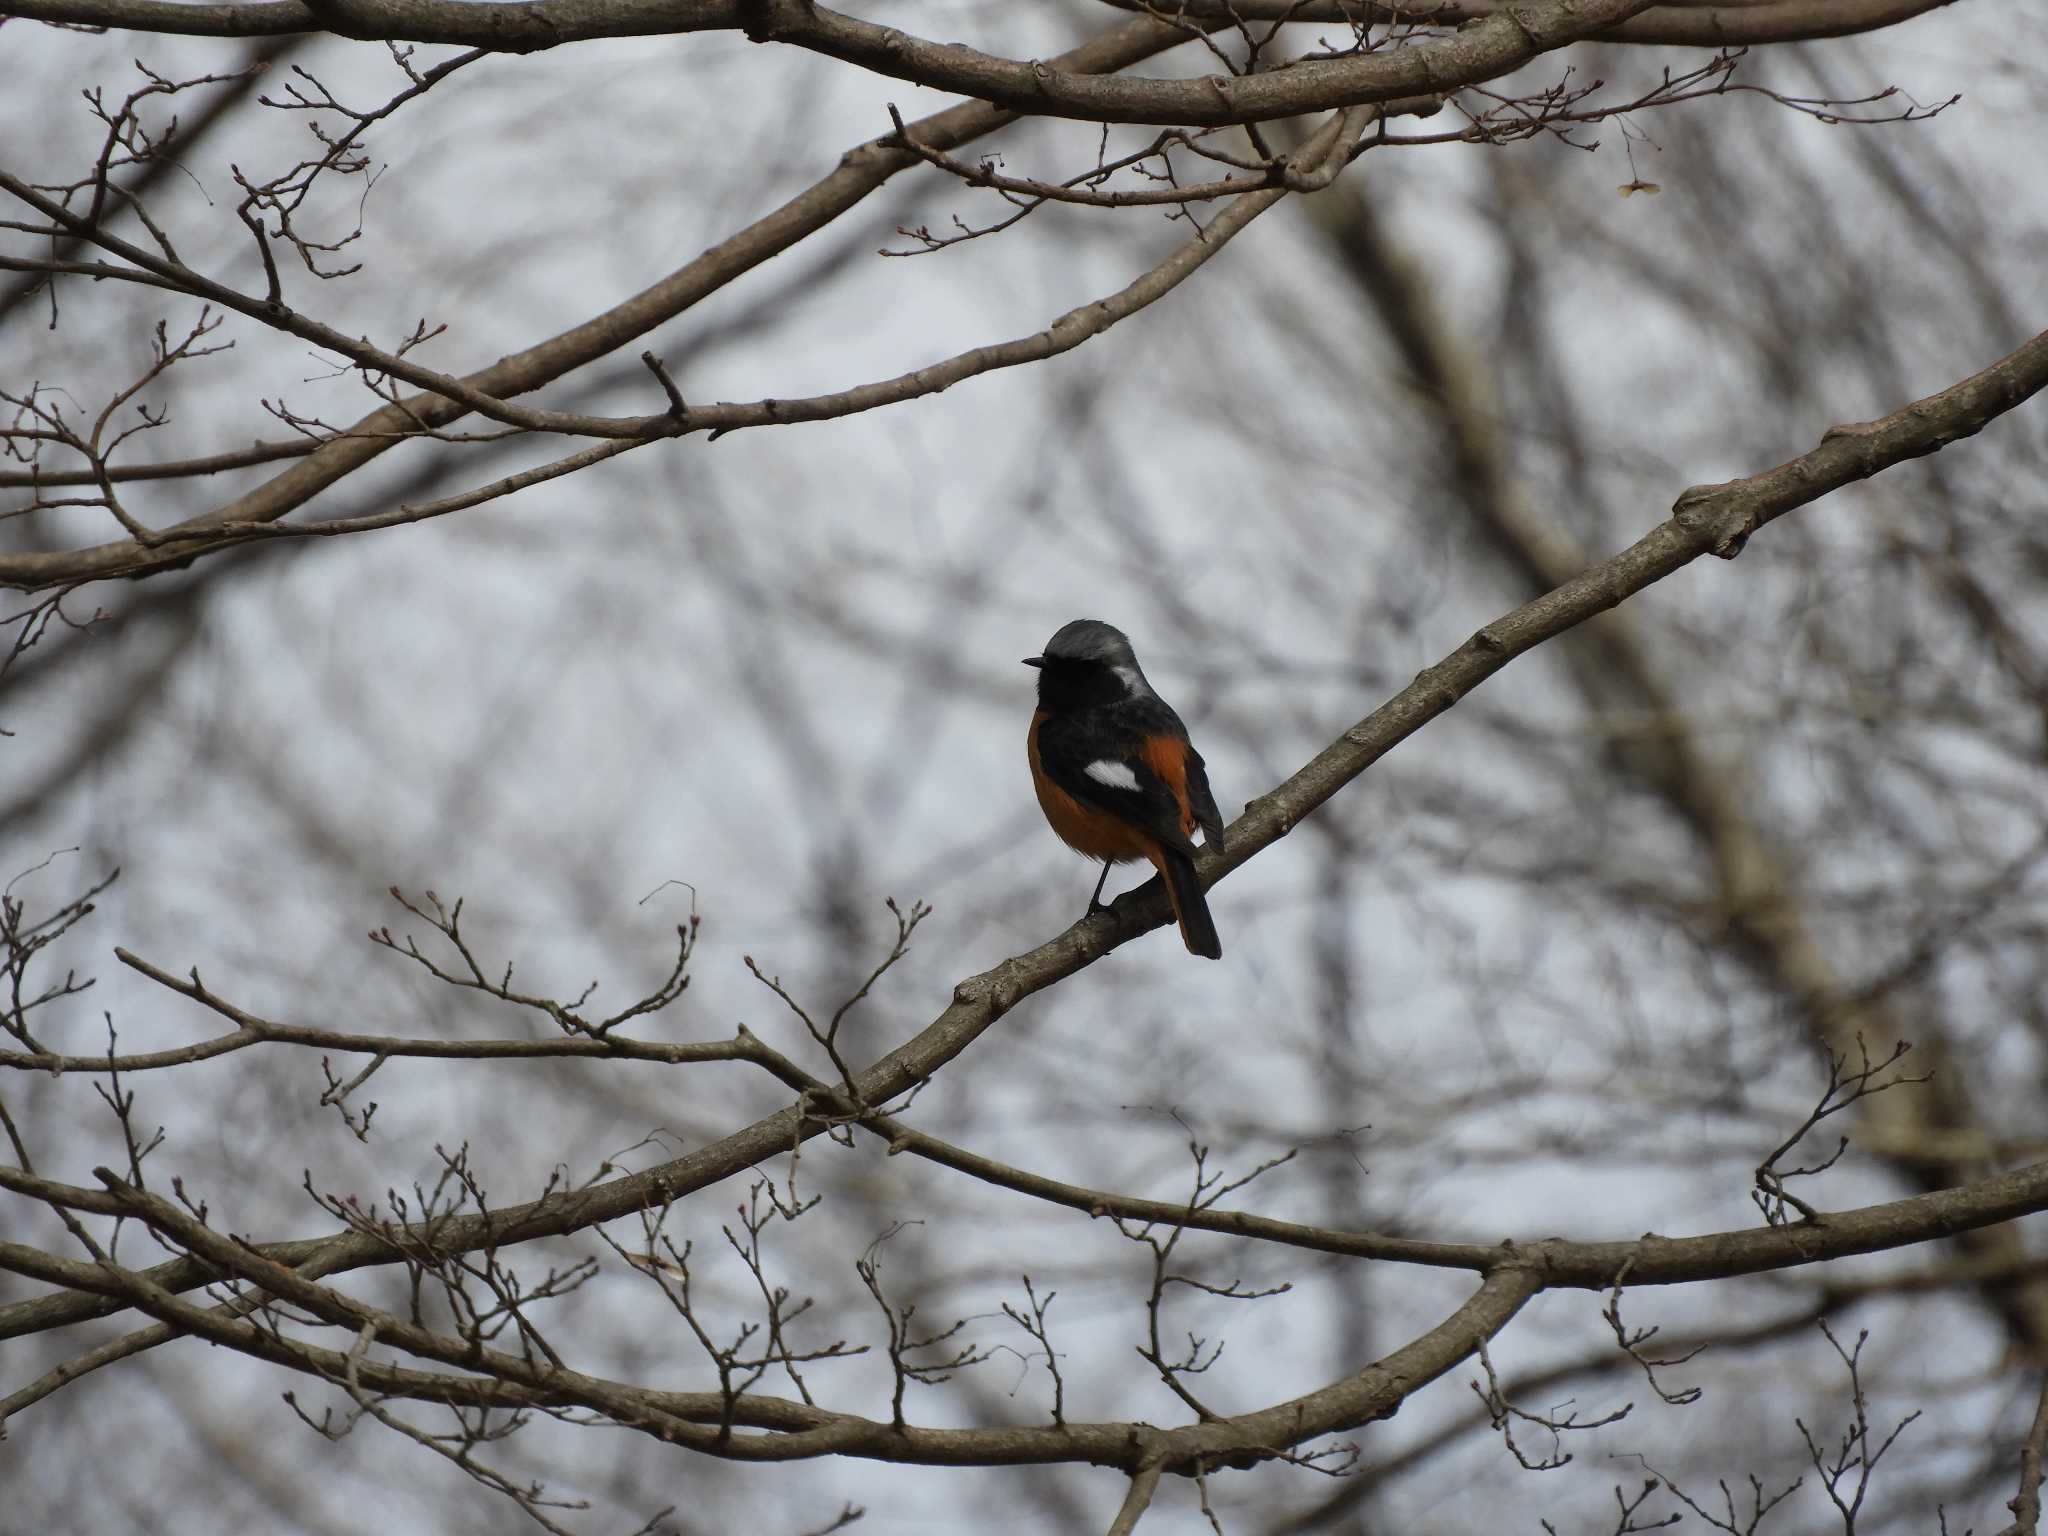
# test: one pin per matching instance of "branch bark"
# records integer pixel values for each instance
(521, 28)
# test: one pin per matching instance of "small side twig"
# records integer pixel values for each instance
(903, 1339)
(827, 1033)
(1034, 1324)
(1845, 1087)
(1631, 1341)
(676, 408)
(1504, 1415)
(1853, 1458)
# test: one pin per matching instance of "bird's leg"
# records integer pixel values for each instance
(1095, 901)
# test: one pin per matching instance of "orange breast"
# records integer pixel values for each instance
(1081, 827)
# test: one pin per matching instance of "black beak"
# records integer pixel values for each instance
(1034, 661)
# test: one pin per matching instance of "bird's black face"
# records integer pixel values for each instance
(1067, 683)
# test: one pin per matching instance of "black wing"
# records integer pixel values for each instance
(1128, 789)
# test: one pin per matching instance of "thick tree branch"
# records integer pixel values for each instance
(519, 28)
(1484, 47)
(1487, 47)
(1138, 1498)
(1683, 23)
(1546, 1264)
(796, 1431)
(514, 28)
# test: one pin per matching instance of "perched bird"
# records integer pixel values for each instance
(1115, 772)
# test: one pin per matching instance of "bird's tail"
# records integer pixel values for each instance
(1184, 890)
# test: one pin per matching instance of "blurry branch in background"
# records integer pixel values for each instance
(30, 626)
(2026, 1504)
(1759, 900)
(1419, 59)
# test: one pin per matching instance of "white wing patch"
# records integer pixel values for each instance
(1109, 771)
(1132, 679)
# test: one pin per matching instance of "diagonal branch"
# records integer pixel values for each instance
(1137, 1499)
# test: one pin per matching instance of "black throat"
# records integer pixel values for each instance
(1067, 686)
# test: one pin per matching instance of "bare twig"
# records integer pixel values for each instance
(905, 1341)
(1035, 1325)
(1849, 1465)
(1631, 1341)
(1845, 1087)
(1504, 1415)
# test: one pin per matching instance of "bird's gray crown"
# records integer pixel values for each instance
(1091, 640)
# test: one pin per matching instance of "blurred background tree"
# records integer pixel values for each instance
(550, 624)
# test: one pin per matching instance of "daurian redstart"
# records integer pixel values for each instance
(1115, 772)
